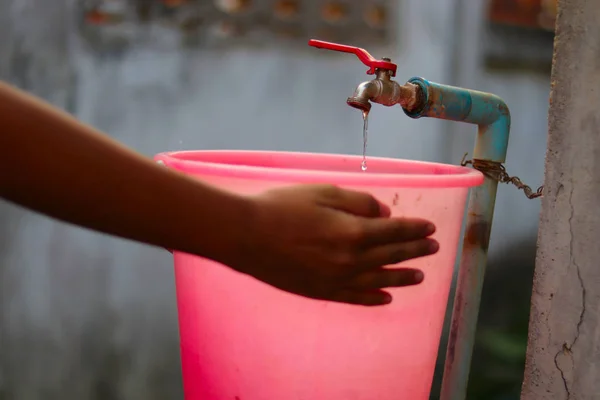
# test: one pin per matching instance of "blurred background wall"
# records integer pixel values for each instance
(85, 316)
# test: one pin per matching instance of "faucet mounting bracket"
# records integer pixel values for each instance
(362, 55)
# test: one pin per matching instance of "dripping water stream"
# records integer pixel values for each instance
(363, 165)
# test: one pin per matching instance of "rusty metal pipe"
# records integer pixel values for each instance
(491, 115)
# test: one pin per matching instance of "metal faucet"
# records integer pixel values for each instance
(382, 89)
(422, 98)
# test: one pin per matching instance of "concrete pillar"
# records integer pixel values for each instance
(564, 347)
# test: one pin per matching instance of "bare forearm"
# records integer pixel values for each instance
(58, 166)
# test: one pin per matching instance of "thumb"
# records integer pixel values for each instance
(354, 202)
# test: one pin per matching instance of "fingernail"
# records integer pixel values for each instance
(429, 229)
(387, 298)
(419, 276)
(434, 246)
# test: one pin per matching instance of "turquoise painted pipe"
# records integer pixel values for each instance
(492, 117)
(486, 110)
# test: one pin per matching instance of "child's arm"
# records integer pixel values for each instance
(317, 241)
(58, 166)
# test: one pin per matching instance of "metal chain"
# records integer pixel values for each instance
(496, 171)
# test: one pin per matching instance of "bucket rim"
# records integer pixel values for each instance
(250, 164)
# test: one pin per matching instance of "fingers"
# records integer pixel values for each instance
(386, 278)
(357, 203)
(382, 231)
(367, 298)
(398, 252)
(366, 290)
(377, 228)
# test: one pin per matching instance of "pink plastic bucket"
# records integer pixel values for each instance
(244, 340)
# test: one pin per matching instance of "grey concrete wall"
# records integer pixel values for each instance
(84, 316)
(562, 354)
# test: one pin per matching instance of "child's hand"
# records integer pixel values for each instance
(327, 243)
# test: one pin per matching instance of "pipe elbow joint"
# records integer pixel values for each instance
(488, 111)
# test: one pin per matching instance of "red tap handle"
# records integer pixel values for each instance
(362, 55)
